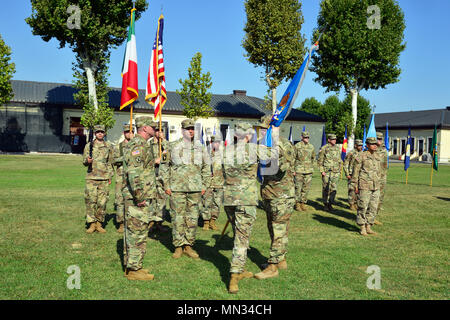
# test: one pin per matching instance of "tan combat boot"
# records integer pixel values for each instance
(125, 274)
(270, 272)
(120, 230)
(282, 265)
(91, 228)
(363, 230)
(178, 253)
(139, 275)
(245, 275)
(99, 227)
(212, 224)
(233, 287)
(206, 225)
(190, 252)
(302, 207)
(377, 223)
(298, 206)
(369, 230)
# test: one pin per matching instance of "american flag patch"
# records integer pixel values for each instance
(135, 152)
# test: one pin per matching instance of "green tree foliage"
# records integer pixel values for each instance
(7, 69)
(273, 39)
(103, 25)
(194, 91)
(360, 47)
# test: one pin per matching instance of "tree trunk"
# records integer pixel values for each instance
(91, 86)
(274, 100)
(354, 93)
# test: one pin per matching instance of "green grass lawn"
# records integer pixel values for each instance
(42, 225)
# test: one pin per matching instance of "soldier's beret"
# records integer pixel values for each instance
(126, 127)
(379, 135)
(265, 121)
(371, 140)
(358, 142)
(305, 134)
(331, 136)
(243, 129)
(187, 123)
(99, 127)
(145, 121)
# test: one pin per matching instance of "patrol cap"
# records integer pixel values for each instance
(358, 142)
(145, 121)
(371, 140)
(126, 127)
(265, 121)
(187, 123)
(379, 135)
(243, 129)
(331, 136)
(99, 127)
(305, 134)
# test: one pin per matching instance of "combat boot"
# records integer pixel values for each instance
(298, 206)
(92, 228)
(282, 265)
(125, 274)
(190, 252)
(212, 224)
(369, 230)
(325, 207)
(206, 225)
(139, 275)
(270, 272)
(302, 207)
(233, 286)
(120, 230)
(330, 207)
(245, 275)
(99, 227)
(363, 231)
(178, 253)
(377, 223)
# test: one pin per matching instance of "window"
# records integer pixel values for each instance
(413, 141)
(395, 151)
(403, 146)
(430, 145)
(421, 145)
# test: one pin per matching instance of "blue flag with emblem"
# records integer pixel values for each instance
(408, 149)
(372, 133)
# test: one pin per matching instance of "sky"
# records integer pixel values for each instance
(215, 29)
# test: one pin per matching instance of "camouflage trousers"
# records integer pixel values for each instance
(213, 200)
(382, 187)
(118, 199)
(160, 204)
(351, 192)
(137, 225)
(367, 206)
(243, 218)
(302, 186)
(329, 187)
(278, 213)
(96, 195)
(184, 207)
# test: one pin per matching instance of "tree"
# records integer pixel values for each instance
(194, 91)
(360, 47)
(273, 39)
(311, 105)
(7, 69)
(91, 28)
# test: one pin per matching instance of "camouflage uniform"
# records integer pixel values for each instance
(381, 150)
(305, 156)
(186, 175)
(366, 175)
(329, 162)
(278, 194)
(139, 166)
(241, 192)
(214, 194)
(348, 171)
(97, 181)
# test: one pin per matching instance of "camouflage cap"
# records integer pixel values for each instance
(371, 140)
(99, 127)
(305, 134)
(379, 135)
(126, 127)
(243, 129)
(145, 121)
(265, 121)
(358, 142)
(187, 123)
(331, 136)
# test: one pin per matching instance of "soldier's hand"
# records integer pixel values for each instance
(142, 204)
(89, 160)
(348, 177)
(169, 192)
(203, 192)
(356, 190)
(294, 173)
(109, 181)
(323, 174)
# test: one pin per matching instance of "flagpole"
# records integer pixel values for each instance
(131, 117)
(407, 176)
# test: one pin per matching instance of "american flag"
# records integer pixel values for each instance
(155, 92)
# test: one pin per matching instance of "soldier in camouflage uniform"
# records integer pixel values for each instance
(278, 194)
(305, 156)
(348, 171)
(366, 176)
(383, 173)
(161, 196)
(241, 196)
(139, 167)
(214, 193)
(330, 167)
(98, 180)
(185, 181)
(120, 182)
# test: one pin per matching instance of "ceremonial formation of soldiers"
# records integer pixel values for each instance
(198, 180)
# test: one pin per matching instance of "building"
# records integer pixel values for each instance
(43, 117)
(422, 126)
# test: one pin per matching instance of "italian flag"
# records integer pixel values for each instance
(129, 68)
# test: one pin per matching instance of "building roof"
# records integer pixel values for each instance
(424, 119)
(237, 104)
